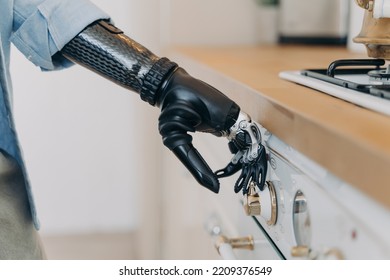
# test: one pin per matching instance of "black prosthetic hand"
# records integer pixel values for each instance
(187, 104)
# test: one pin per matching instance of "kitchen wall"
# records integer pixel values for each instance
(79, 133)
(220, 22)
(355, 25)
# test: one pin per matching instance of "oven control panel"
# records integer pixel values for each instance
(308, 213)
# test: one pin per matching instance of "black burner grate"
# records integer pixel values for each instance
(345, 77)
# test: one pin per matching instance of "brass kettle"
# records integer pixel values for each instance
(375, 33)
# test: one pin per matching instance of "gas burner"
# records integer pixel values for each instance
(380, 77)
(364, 82)
(371, 78)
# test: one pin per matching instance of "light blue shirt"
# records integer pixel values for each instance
(39, 29)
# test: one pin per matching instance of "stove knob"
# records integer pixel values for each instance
(300, 251)
(262, 203)
(334, 254)
(252, 205)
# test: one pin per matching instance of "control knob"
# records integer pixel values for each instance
(262, 203)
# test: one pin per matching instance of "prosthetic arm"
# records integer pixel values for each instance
(187, 104)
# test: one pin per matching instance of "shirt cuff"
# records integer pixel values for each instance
(50, 26)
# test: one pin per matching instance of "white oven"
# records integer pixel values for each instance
(318, 216)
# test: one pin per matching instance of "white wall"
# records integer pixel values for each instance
(219, 22)
(355, 25)
(77, 131)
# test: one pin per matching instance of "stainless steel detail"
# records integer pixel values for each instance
(301, 220)
(250, 156)
(244, 123)
(274, 204)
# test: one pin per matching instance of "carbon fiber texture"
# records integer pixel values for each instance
(104, 49)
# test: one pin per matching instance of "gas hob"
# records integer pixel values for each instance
(364, 82)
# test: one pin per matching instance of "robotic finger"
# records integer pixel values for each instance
(249, 155)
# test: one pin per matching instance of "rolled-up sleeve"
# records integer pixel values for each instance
(41, 28)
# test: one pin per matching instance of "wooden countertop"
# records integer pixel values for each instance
(351, 142)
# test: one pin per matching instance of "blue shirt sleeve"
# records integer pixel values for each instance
(41, 28)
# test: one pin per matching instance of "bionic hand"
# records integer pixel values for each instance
(249, 155)
(187, 104)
